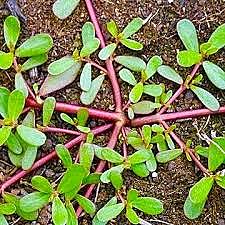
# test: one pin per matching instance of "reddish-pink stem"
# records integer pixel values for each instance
(58, 130)
(124, 143)
(102, 164)
(174, 116)
(189, 151)
(109, 64)
(72, 109)
(180, 90)
(49, 157)
(95, 65)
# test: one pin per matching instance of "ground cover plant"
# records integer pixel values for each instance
(139, 124)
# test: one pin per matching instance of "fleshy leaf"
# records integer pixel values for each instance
(147, 134)
(61, 65)
(131, 62)
(132, 216)
(35, 45)
(90, 47)
(154, 90)
(206, 98)
(188, 58)
(14, 144)
(136, 92)
(41, 184)
(217, 38)
(152, 66)
(85, 77)
(54, 83)
(112, 156)
(145, 107)
(116, 179)
(166, 156)
(140, 169)
(48, 109)
(11, 31)
(82, 116)
(106, 52)
(220, 180)
(4, 96)
(6, 60)
(215, 74)
(34, 61)
(59, 212)
(88, 97)
(86, 156)
(112, 28)
(139, 157)
(187, 33)
(31, 136)
(7, 208)
(132, 44)
(64, 8)
(87, 205)
(64, 154)
(199, 192)
(72, 217)
(127, 76)
(20, 84)
(29, 157)
(132, 27)
(67, 118)
(170, 74)
(105, 177)
(151, 163)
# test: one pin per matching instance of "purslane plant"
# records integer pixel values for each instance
(63, 72)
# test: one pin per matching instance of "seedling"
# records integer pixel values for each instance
(151, 144)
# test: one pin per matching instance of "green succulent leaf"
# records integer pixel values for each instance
(206, 98)
(11, 31)
(151, 164)
(54, 83)
(216, 153)
(82, 116)
(130, 113)
(145, 107)
(7, 208)
(220, 180)
(88, 97)
(112, 156)
(90, 47)
(4, 134)
(140, 169)
(187, 33)
(106, 52)
(154, 90)
(59, 212)
(131, 62)
(41, 184)
(67, 118)
(31, 136)
(139, 157)
(152, 66)
(62, 9)
(134, 26)
(169, 141)
(29, 119)
(87, 205)
(116, 179)
(64, 154)
(72, 179)
(36, 199)
(86, 153)
(93, 178)
(136, 92)
(199, 192)
(208, 49)
(203, 151)
(217, 38)
(166, 156)
(61, 65)
(88, 33)
(6, 60)
(85, 77)
(36, 45)
(148, 205)
(112, 28)
(72, 217)
(188, 58)
(170, 74)
(108, 213)
(3, 220)
(105, 177)
(4, 96)
(48, 109)
(132, 195)
(29, 157)
(147, 134)
(127, 76)
(34, 61)
(20, 84)
(215, 74)
(132, 216)
(193, 210)
(14, 144)
(132, 44)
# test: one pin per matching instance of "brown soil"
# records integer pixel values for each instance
(159, 37)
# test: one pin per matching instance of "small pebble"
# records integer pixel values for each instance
(154, 174)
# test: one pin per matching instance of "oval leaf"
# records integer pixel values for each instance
(64, 154)
(145, 107)
(6, 60)
(127, 76)
(87, 205)
(85, 77)
(48, 109)
(152, 66)
(59, 212)
(217, 38)
(41, 184)
(131, 44)
(132, 27)
(136, 92)
(166, 156)
(106, 52)
(34, 61)
(188, 58)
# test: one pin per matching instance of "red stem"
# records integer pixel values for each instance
(69, 108)
(102, 164)
(95, 65)
(180, 90)
(49, 157)
(109, 64)
(58, 130)
(174, 116)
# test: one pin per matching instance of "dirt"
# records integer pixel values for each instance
(159, 37)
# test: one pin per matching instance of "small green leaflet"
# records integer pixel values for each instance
(206, 98)
(105, 177)
(188, 58)
(7, 208)
(132, 44)
(64, 8)
(82, 116)
(64, 154)
(41, 184)
(112, 28)
(34, 61)
(35, 45)
(116, 179)
(106, 52)
(61, 65)
(88, 97)
(72, 217)
(59, 212)
(20, 84)
(166, 156)
(6, 60)
(85, 77)
(152, 66)
(132, 215)
(14, 144)
(220, 180)
(4, 96)
(139, 157)
(170, 74)
(187, 33)
(154, 90)
(145, 107)
(48, 109)
(67, 118)
(136, 92)
(87, 205)
(11, 31)
(217, 38)
(131, 62)
(86, 156)
(215, 74)
(140, 169)
(127, 76)
(112, 156)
